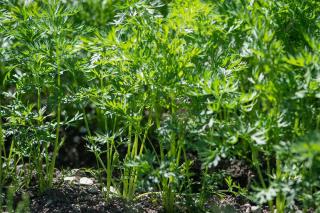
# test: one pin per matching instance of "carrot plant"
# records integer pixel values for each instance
(35, 78)
(171, 92)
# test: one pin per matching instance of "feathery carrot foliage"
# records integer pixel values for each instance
(162, 87)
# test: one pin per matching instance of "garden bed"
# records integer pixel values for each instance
(159, 106)
(73, 196)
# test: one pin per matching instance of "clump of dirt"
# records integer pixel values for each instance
(150, 202)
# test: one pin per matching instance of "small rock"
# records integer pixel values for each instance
(85, 181)
(254, 208)
(246, 207)
(70, 179)
(112, 189)
(76, 208)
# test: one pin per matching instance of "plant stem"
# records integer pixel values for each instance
(58, 114)
(134, 172)
(256, 163)
(280, 202)
(1, 148)
(38, 156)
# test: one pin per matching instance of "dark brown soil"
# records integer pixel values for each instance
(75, 198)
(67, 197)
(71, 197)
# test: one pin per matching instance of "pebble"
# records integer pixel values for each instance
(70, 179)
(112, 189)
(254, 208)
(86, 181)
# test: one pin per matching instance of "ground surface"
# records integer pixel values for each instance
(69, 195)
(77, 191)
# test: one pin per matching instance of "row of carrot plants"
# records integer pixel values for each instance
(161, 85)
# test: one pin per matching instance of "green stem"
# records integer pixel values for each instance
(145, 136)
(58, 114)
(38, 103)
(134, 173)
(126, 172)
(109, 167)
(256, 164)
(38, 157)
(1, 148)
(86, 123)
(280, 202)
(160, 144)
(134, 150)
